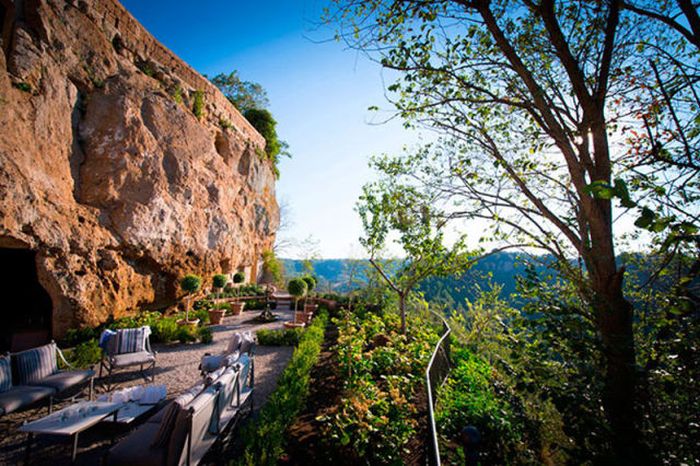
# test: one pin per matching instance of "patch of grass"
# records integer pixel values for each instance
(198, 106)
(177, 94)
(225, 124)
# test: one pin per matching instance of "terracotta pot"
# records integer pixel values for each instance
(191, 323)
(237, 308)
(308, 307)
(216, 315)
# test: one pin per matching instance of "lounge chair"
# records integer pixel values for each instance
(27, 377)
(128, 347)
(183, 431)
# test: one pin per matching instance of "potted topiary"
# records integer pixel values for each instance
(219, 282)
(190, 284)
(237, 307)
(297, 288)
(310, 281)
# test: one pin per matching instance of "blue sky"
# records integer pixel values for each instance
(319, 93)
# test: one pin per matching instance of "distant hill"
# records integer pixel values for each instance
(501, 268)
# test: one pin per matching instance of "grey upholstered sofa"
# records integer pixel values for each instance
(30, 376)
(183, 431)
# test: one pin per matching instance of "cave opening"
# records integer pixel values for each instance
(26, 306)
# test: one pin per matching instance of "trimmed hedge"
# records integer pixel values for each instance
(280, 337)
(264, 439)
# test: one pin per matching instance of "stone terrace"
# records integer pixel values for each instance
(176, 368)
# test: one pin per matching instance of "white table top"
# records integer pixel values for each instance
(58, 424)
(129, 412)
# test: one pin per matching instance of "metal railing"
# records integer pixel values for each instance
(435, 375)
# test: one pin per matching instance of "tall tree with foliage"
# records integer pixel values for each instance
(526, 94)
(250, 98)
(388, 208)
(245, 95)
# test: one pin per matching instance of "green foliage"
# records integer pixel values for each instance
(225, 124)
(219, 280)
(177, 94)
(244, 95)
(297, 287)
(382, 371)
(146, 68)
(310, 282)
(273, 266)
(165, 330)
(191, 283)
(205, 335)
(187, 333)
(238, 277)
(265, 124)
(263, 439)
(85, 354)
(225, 306)
(198, 104)
(279, 337)
(24, 87)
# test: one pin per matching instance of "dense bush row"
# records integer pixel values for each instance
(280, 337)
(165, 329)
(263, 440)
(382, 371)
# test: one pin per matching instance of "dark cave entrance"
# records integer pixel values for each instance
(25, 306)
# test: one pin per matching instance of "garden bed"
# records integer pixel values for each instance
(367, 400)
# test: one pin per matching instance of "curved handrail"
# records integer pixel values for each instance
(434, 459)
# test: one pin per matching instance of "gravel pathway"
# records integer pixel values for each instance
(176, 368)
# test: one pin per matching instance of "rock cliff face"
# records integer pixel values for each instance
(119, 165)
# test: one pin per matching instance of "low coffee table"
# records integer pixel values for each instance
(130, 411)
(86, 414)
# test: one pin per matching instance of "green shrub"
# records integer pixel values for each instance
(219, 280)
(202, 315)
(205, 335)
(191, 283)
(187, 333)
(263, 439)
(225, 306)
(85, 354)
(177, 94)
(164, 330)
(256, 304)
(75, 336)
(310, 281)
(280, 337)
(266, 125)
(471, 396)
(198, 106)
(273, 266)
(238, 277)
(297, 287)
(202, 304)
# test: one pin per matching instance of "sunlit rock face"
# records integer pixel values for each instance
(120, 165)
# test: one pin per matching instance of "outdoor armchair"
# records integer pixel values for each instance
(125, 348)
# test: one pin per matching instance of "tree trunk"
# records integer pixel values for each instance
(402, 308)
(614, 321)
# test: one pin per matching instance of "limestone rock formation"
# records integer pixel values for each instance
(119, 165)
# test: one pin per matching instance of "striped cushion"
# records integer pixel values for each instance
(5, 374)
(35, 364)
(131, 340)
